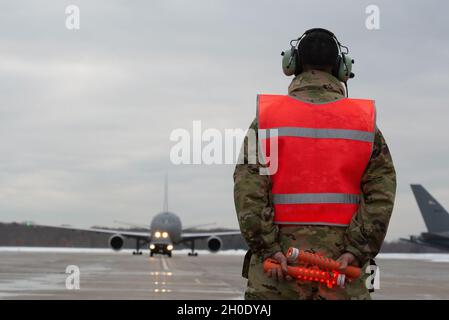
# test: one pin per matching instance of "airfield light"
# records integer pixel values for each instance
(164, 234)
(157, 234)
(170, 247)
(152, 246)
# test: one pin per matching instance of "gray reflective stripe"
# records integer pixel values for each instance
(301, 198)
(313, 223)
(319, 133)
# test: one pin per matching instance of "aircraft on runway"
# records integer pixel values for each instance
(165, 231)
(436, 219)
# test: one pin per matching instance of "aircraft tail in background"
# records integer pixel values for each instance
(435, 216)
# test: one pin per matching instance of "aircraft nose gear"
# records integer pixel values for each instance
(137, 251)
(192, 247)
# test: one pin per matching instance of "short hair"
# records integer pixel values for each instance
(318, 49)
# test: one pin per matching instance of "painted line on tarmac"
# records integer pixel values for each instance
(164, 264)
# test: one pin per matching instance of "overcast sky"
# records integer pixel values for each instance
(85, 115)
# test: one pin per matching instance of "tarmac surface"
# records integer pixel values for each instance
(104, 274)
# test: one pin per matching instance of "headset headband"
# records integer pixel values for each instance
(319, 29)
(331, 34)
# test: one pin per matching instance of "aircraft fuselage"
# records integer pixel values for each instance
(166, 228)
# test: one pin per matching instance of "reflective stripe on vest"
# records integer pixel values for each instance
(320, 133)
(323, 150)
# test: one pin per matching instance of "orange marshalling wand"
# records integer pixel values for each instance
(314, 267)
(295, 255)
(309, 274)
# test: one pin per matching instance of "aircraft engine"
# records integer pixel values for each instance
(214, 243)
(116, 242)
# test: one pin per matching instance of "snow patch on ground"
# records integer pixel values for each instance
(434, 257)
(107, 251)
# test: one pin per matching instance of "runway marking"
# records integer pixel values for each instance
(169, 263)
(164, 264)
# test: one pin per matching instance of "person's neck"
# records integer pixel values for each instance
(316, 86)
(327, 69)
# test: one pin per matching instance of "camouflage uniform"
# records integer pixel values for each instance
(363, 237)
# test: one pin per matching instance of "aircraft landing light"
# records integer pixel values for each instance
(162, 290)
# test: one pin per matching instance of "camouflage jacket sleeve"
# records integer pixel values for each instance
(253, 203)
(368, 228)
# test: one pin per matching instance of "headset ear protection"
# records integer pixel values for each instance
(291, 58)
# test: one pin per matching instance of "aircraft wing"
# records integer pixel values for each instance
(199, 235)
(128, 234)
(436, 235)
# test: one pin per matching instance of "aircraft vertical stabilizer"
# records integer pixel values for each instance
(435, 216)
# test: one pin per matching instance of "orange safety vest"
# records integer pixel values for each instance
(323, 151)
